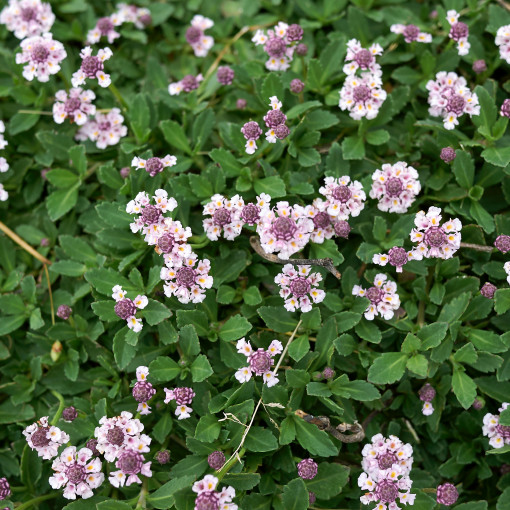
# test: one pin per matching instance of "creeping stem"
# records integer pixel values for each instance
(61, 406)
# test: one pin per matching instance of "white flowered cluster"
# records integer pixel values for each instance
(499, 435)
(383, 297)
(200, 42)
(105, 129)
(458, 32)
(503, 41)
(126, 308)
(45, 438)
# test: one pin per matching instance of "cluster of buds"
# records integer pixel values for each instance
(27, 18)
(41, 55)
(395, 186)
(126, 308)
(427, 394)
(505, 109)
(447, 494)
(187, 84)
(225, 75)
(362, 94)
(208, 498)
(279, 43)
(459, 32)
(386, 466)
(499, 435)
(75, 105)
(450, 98)
(216, 460)
(502, 243)
(275, 120)
(488, 290)
(153, 166)
(411, 33)
(259, 362)
(503, 41)
(196, 38)
(143, 390)
(105, 129)
(383, 297)
(325, 226)
(183, 397)
(5, 489)
(344, 198)
(298, 288)
(307, 469)
(92, 67)
(44, 438)
(396, 256)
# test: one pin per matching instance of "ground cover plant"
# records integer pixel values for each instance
(255, 254)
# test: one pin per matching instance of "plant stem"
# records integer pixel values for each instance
(50, 293)
(478, 247)
(141, 504)
(37, 500)
(17, 239)
(60, 407)
(421, 306)
(118, 96)
(35, 112)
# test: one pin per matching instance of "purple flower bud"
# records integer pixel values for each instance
(448, 154)
(433, 14)
(478, 404)
(459, 31)
(69, 414)
(241, 104)
(311, 497)
(397, 256)
(216, 460)
(342, 229)
(163, 457)
(250, 214)
(427, 393)
(143, 391)
(302, 49)
(91, 65)
(447, 494)
(166, 243)
(328, 373)
(307, 469)
(502, 243)
(260, 361)
(207, 500)
(189, 83)
(151, 215)
(281, 131)
(284, 228)
(274, 118)
(479, 66)
(363, 58)
(456, 104)
(411, 33)
(251, 130)
(125, 308)
(296, 86)
(5, 488)
(183, 396)
(386, 491)
(275, 47)
(104, 25)
(154, 166)
(124, 172)
(145, 20)
(64, 312)
(92, 446)
(130, 462)
(488, 290)
(505, 108)
(45, 241)
(44, 171)
(225, 75)
(193, 35)
(294, 33)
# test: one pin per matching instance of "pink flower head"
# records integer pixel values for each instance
(383, 297)
(182, 396)
(499, 435)
(105, 27)
(140, 16)
(143, 390)
(450, 98)
(92, 67)
(208, 498)
(3, 194)
(130, 463)
(397, 257)
(411, 33)
(105, 129)
(386, 488)
(362, 95)
(250, 213)
(196, 38)
(187, 279)
(298, 288)
(395, 186)
(434, 240)
(75, 105)
(343, 197)
(503, 41)
(284, 229)
(4, 166)
(78, 472)
(126, 308)
(187, 84)
(383, 454)
(42, 56)
(360, 58)
(225, 217)
(114, 435)
(27, 18)
(46, 439)
(323, 222)
(459, 32)
(154, 166)
(259, 362)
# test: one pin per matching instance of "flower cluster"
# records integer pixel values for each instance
(130, 463)
(502, 243)
(503, 41)
(126, 308)
(209, 499)
(143, 390)
(225, 75)
(450, 98)
(92, 67)
(3, 142)
(359, 58)
(196, 38)
(344, 198)
(279, 44)
(153, 166)
(105, 27)
(251, 132)
(45, 438)
(275, 120)
(506, 267)
(27, 18)
(447, 494)
(383, 297)
(488, 290)
(42, 56)
(396, 256)
(187, 84)
(499, 435)
(459, 32)
(411, 33)
(427, 394)
(386, 466)
(216, 460)
(434, 240)
(307, 469)
(259, 362)
(78, 472)
(105, 129)
(139, 16)
(183, 397)
(75, 105)
(505, 109)
(395, 186)
(5, 489)
(298, 286)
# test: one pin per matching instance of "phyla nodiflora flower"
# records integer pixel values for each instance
(92, 67)
(126, 308)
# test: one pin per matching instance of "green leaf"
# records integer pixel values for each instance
(464, 388)
(78, 158)
(357, 390)
(377, 137)
(208, 429)
(388, 368)
(431, 335)
(486, 340)
(329, 481)
(464, 169)
(113, 505)
(163, 497)
(68, 268)
(483, 218)
(353, 147)
(418, 364)
(201, 369)
(368, 331)
(260, 440)
(103, 280)
(316, 441)
(273, 186)
(175, 135)
(164, 369)
(498, 156)
(21, 122)
(61, 178)
(9, 413)
(78, 249)
(30, 468)
(123, 350)
(235, 328)
(227, 161)
(155, 312)
(295, 495)
(503, 500)
(62, 201)
(272, 86)
(488, 111)
(242, 481)
(502, 301)
(11, 323)
(277, 319)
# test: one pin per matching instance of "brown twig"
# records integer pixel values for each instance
(478, 247)
(323, 423)
(50, 293)
(17, 239)
(326, 263)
